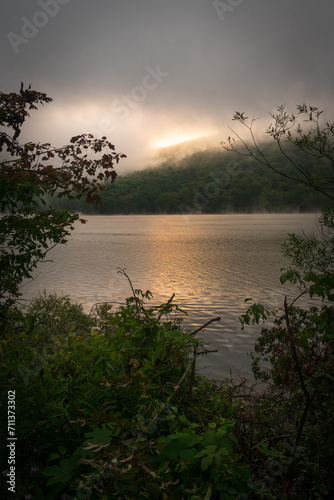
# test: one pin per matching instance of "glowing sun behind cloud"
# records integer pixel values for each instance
(173, 139)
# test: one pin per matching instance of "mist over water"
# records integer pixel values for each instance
(211, 263)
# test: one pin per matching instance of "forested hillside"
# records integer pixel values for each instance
(211, 181)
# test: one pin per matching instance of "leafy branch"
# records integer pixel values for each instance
(318, 142)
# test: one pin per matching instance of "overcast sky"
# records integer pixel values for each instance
(149, 72)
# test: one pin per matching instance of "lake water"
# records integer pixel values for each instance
(211, 263)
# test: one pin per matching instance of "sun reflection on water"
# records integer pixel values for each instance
(211, 263)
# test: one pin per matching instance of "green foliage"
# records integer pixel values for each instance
(35, 173)
(296, 144)
(111, 405)
(311, 259)
(294, 359)
(57, 315)
(254, 314)
(206, 182)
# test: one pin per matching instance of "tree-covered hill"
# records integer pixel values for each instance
(211, 181)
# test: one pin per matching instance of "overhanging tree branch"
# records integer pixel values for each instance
(33, 173)
(317, 142)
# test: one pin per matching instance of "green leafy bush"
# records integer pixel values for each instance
(294, 361)
(112, 406)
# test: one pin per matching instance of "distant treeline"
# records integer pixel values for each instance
(213, 181)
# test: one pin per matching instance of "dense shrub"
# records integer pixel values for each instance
(289, 434)
(116, 409)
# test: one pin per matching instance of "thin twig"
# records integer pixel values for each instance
(270, 439)
(122, 271)
(206, 324)
(300, 376)
(104, 302)
(169, 301)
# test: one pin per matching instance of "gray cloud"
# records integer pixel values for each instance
(92, 58)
